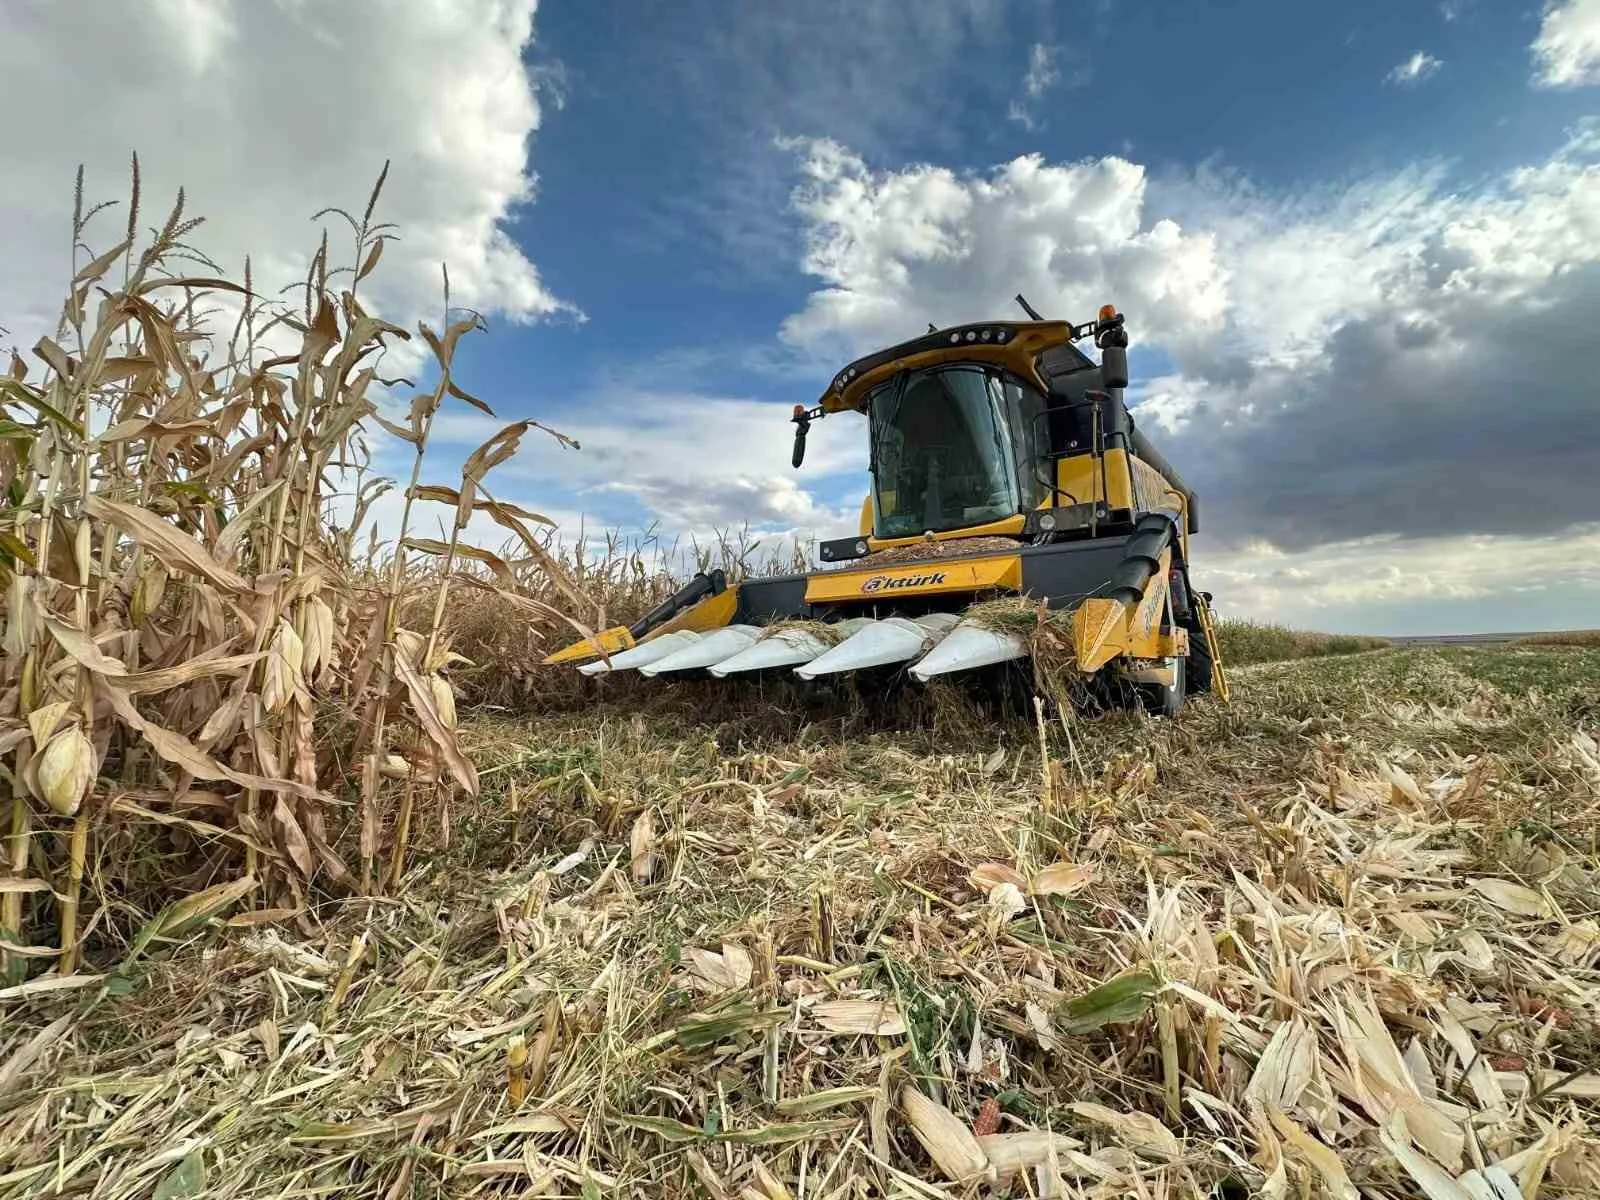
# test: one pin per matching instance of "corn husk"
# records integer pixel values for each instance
(947, 1139)
(64, 769)
(282, 677)
(444, 700)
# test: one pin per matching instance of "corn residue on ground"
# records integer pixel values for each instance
(1337, 939)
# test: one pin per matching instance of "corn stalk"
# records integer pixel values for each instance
(170, 601)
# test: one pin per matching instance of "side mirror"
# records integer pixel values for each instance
(1114, 366)
(802, 426)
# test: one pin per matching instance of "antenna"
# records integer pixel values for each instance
(932, 328)
(1028, 308)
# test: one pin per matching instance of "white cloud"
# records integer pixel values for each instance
(899, 249)
(265, 112)
(1042, 71)
(1415, 69)
(1567, 50)
(1393, 573)
(1047, 67)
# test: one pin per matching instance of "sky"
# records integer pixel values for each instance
(1357, 245)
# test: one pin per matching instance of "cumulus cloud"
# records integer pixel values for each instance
(897, 249)
(265, 112)
(1567, 51)
(1393, 358)
(1414, 70)
(1445, 400)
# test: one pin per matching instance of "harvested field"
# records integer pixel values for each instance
(1339, 938)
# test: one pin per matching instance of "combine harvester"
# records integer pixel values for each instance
(1003, 462)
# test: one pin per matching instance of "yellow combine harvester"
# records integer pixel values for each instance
(1003, 462)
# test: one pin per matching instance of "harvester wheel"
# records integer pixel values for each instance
(1165, 701)
(1200, 671)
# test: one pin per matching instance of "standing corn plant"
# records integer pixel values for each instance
(182, 634)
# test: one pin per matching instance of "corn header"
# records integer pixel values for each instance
(1003, 461)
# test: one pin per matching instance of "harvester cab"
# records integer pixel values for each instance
(1003, 461)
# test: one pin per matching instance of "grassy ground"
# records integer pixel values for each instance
(1247, 642)
(1343, 933)
(1567, 637)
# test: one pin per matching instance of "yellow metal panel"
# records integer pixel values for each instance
(969, 575)
(1103, 629)
(864, 526)
(1083, 479)
(711, 613)
(1016, 355)
(610, 641)
(1142, 625)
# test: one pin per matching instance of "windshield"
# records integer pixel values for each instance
(942, 457)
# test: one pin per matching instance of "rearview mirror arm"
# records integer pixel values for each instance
(802, 419)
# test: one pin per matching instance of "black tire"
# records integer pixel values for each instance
(1200, 670)
(1165, 701)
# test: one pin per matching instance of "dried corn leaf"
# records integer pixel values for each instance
(1511, 897)
(1061, 879)
(81, 647)
(1018, 1154)
(44, 720)
(167, 542)
(440, 734)
(191, 910)
(1321, 1159)
(1490, 1183)
(204, 666)
(1285, 1067)
(815, 1102)
(181, 752)
(730, 970)
(1383, 1085)
(1136, 1130)
(873, 1017)
(1436, 1183)
(991, 875)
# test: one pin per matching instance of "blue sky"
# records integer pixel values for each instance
(1325, 224)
